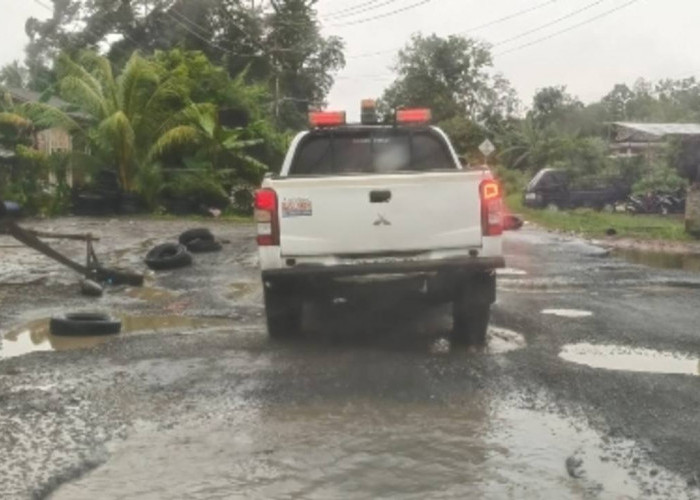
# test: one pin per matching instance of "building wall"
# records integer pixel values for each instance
(55, 140)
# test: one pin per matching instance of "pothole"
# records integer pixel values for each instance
(498, 341)
(661, 260)
(241, 289)
(568, 313)
(151, 294)
(619, 358)
(35, 336)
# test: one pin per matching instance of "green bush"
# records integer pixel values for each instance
(658, 175)
(28, 182)
(513, 181)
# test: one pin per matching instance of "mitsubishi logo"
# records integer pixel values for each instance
(382, 221)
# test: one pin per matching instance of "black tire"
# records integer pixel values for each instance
(85, 324)
(284, 313)
(168, 256)
(190, 235)
(204, 246)
(471, 322)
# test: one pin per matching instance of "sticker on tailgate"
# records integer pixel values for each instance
(297, 207)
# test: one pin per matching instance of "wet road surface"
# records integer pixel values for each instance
(589, 387)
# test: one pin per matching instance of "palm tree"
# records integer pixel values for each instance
(197, 128)
(127, 113)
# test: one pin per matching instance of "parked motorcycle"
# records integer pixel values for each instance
(656, 203)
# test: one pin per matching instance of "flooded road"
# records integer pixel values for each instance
(686, 262)
(366, 449)
(588, 386)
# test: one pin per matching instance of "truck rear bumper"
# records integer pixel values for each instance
(466, 265)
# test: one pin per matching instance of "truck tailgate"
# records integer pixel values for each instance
(355, 215)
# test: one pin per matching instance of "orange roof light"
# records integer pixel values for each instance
(326, 118)
(418, 115)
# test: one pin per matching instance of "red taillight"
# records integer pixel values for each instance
(407, 116)
(326, 118)
(491, 208)
(266, 217)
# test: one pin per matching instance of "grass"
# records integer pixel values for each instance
(593, 224)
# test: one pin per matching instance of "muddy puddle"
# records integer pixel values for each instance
(35, 336)
(611, 357)
(686, 262)
(151, 294)
(361, 449)
(498, 341)
(242, 289)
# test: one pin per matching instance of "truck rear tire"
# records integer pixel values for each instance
(471, 322)
(284, 313)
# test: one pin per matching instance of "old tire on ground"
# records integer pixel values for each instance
(85, 324)
(201, 233)
(168, 256)
(204, 246)
(471, 322)
(284, 313)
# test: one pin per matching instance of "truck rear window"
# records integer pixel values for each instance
(379, 151)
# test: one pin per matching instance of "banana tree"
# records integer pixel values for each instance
(196, 131)
(126, 113)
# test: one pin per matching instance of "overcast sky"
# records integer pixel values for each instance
(650, 38)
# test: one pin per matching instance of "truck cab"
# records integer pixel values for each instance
(374, 199)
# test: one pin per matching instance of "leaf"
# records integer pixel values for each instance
(81, 93)
(15, 121)
(46, 116)
(178, 137)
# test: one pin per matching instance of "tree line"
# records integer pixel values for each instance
(193, 98)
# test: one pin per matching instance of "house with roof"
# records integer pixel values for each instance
(635, 139)
(48, 141)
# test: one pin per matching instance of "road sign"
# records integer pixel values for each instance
(487, 148)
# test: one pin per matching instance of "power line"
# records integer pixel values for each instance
(367, 8)
(381, 16)
(570, 28)
(508, 17)
(550, 36)
(470, 30)
(351, 8)
(550, 23)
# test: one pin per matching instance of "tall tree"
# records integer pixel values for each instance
(452, 76)
(302, 60)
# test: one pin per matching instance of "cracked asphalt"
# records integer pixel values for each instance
(193, 401)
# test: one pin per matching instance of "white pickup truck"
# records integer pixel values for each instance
(375, 201)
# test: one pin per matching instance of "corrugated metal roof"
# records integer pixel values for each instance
(24, 95)
(657, 130)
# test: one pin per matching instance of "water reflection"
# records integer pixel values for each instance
(687, 262)
(35, 336)
(611, 357)
(365, 448)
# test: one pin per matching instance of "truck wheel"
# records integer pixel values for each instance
(471, 321)
(283, 311)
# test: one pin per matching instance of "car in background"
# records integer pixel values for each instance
(553, 189)
(10, 209)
